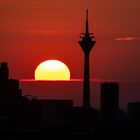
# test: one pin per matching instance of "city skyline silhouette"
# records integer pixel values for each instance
(82, 107)
(20, 115)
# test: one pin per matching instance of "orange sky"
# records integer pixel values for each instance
(32, 31)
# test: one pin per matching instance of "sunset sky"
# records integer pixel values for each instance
(32, 31)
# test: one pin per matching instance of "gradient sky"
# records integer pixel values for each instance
(32, 31)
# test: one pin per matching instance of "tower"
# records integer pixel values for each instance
(87, 42)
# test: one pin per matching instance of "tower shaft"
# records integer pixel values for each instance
(86, 84)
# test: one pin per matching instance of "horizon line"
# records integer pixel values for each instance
(77, 80)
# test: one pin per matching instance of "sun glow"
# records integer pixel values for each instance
(52, 70)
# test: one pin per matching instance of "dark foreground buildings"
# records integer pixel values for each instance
(19, 111)
(23, 118)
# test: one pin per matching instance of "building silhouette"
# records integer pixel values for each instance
(109, 101)
(133, 111)
(8, 87)
(54, 110)
(86, 44)
(4, 72)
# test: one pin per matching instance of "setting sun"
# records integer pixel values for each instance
(52, 70)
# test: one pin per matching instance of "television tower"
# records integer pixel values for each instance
(87, 42)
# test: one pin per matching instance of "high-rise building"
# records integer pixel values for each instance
(87, 42)
(4, 71)
(109, 101)
(8, 87)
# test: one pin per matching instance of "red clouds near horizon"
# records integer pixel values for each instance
(127, 38)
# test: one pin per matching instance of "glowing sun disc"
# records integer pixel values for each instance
(52, 70)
